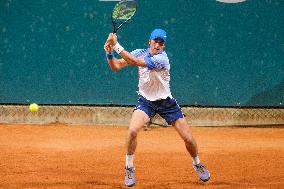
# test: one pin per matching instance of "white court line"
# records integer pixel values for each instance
(231, 1)
(109, 0)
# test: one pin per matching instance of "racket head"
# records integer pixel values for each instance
(122, 12)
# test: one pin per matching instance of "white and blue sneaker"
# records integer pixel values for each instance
(202, 172)
(129, 178)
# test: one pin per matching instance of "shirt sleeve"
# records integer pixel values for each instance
(159, 61)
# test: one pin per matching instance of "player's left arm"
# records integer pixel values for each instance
(132, 60)
(114, 63)
(159, 61)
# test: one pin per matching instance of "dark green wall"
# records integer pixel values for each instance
(220, 54)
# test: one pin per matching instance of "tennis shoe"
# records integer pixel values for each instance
(129, 178)
(202, 172)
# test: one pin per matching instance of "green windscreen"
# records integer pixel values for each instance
(221, 54)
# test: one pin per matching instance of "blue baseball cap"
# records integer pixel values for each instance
(158, 33)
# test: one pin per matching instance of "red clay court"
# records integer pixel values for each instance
(58, 156)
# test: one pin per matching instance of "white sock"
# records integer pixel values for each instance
(129, 160)
(195, 160)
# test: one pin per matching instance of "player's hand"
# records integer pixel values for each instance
(112, 39)
(108, 48)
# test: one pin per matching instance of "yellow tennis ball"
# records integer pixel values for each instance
(34, 107)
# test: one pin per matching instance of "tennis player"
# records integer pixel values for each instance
(154, 97)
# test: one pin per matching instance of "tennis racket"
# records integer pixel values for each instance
(122, 13)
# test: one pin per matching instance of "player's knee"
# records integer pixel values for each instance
(132, 132)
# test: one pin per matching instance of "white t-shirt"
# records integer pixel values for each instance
(154, 79)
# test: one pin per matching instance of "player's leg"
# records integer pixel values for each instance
(172, 113)
(138, 120)
(185, 132)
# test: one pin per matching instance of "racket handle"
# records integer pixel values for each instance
(114, 28)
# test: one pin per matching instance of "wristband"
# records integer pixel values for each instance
(109, 56)
(118, 48)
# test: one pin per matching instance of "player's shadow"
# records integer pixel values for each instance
(272, 97)
(208, 183)
(64, 184)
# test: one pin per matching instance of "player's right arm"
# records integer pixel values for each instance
(114, 63)
(127, 58)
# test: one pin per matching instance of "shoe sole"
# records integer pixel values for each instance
(205, 179)
(130, 185)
